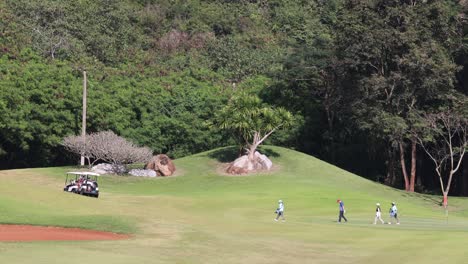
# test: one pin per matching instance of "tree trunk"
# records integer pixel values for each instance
(413, 165)
(390, 164)
(464, 178)
(446, 191)
(330, 137)
(252, 149)
(445, 201)
(89, 162)
(403, 165)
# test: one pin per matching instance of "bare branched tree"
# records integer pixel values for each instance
(445, 141)
(108, 147)
(111, 148)
(77, 145)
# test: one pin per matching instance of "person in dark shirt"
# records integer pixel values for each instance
(342, 211)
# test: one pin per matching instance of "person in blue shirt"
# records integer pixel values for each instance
(280, 211)
(342, 211)
(393, 214)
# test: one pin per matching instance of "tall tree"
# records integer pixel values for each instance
(445, 141)
(309, 83)
(397, 54)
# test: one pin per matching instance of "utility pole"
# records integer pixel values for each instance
(83, 124)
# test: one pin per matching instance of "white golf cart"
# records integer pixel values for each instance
(82, 182)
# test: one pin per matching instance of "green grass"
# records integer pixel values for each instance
(200, 216)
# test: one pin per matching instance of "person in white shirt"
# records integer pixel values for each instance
(280, 211)
(394, 214)
(378, 214)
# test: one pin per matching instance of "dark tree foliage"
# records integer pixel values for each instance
(355, 74)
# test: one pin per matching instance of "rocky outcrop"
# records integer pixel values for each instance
(162, 164)
(244, 165)
(106, 168)
(143, 173)
(236, 170)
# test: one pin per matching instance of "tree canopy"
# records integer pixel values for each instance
(250, 119)
(356, 75)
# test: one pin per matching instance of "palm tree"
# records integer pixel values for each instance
(253, 120)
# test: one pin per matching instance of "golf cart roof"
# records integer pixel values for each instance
(83, 173)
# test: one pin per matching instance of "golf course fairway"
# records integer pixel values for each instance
(203, 216)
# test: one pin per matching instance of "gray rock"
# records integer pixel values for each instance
(264, 161)
(143, 173)
(243, 164)
(106, 168)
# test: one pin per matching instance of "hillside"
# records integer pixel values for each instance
(158, 72)
(200, 216)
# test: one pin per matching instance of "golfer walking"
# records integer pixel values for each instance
(394, 214)
(342, 211)
(378, 214)
(280, 211)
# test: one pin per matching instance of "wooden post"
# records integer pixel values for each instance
(83, 124)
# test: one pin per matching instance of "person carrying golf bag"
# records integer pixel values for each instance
(394, 214)
(280, 211)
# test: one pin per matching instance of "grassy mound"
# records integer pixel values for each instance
(202, 216)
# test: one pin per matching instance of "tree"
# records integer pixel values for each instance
(38, 108)
(252, 120)
(445, 141)
(107, 146)
(46, 22)
(77, 145)
(71, 29)
(397, 55)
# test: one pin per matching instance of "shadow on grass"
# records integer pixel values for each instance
(432, 199)
(268, 152)
(229, 154)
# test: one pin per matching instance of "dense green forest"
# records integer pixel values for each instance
(356, 74)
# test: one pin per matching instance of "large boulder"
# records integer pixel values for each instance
(162, 164)
(264, 161)
(244, 165)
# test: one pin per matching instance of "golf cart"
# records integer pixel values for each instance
(82, 182)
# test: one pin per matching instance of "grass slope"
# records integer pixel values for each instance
(200, 216)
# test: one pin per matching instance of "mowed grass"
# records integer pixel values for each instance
(202, 216)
